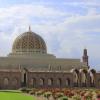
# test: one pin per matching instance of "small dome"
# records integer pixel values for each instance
(29, 42)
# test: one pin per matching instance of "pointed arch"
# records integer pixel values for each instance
(67, 82)
(50, 82)
(41, 81)
(83, 73)
(15, 82)
(59, 82)
(33, 82)
(92, 74)
(24, 77)
(75, 73)
(6, 82)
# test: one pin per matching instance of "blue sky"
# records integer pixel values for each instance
(67, 26)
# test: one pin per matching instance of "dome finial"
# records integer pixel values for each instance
(29, 28)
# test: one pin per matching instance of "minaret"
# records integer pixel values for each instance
(85, 57)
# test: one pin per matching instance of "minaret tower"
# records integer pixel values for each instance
(85, 57)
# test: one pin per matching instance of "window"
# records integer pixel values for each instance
(59, 82)
(50, 82)
(41, 82)
(14, 82)
(33, 82)
(67, 82)
(6, 81)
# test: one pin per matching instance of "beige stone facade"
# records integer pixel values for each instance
(50, 79)
(29, 65)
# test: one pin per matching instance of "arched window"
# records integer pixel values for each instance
(99, 83)
(50, 82)
(59, 82)
(67, 82)
(92, 77)
(75, 73)
(84, 77)
(41, 81)
(14, 82)
(6, 81)
(33, 82)
(24, 77)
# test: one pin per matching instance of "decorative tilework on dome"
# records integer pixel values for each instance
(29, 42)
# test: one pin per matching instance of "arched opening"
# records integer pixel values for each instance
(15, 83)
(33, 82)
(59, 82)
(92, 73)
(6, 83)
(75, 77)
(24, 77)
(99, 83)
(67, 82)
(50, 82)
(83, 77)
(41, 82)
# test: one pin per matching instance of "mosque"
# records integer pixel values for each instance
(30, 65)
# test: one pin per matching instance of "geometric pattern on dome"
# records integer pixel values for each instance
(29, 42)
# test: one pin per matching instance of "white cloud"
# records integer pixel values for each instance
(83, 3)
(14, 20)
(22, 11)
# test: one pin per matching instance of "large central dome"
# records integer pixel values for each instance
(29, 42)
